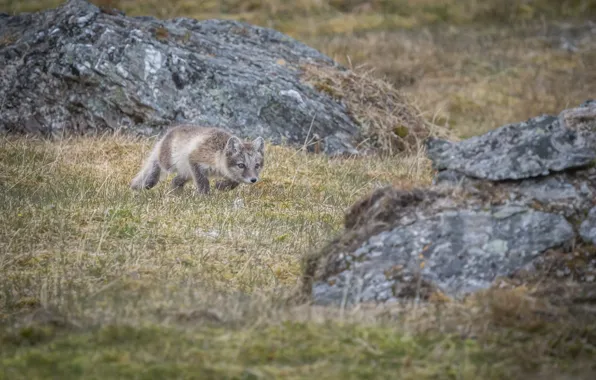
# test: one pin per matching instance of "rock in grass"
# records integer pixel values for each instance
(78, 69)
(497, 204)
(537, 147)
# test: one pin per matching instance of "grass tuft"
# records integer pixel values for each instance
(390, 123)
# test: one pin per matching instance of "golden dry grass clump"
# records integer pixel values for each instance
(390, 123)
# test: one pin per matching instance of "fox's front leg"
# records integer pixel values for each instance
(200, 177)
(226, 184)
(178, 183)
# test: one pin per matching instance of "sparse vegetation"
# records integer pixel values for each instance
(97, 281)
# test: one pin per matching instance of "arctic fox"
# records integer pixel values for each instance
(199, 153)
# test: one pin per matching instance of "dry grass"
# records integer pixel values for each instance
(476, 79)
(100, 281)
(389, 121)
(320, 17)
(73, 218)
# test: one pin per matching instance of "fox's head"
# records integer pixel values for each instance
(245, 159)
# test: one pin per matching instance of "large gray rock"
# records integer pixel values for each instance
(498, 202)
(537, 147)
(78, 69)
(454, 251)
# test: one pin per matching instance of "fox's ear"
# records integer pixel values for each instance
(259, 144)
(233, 146)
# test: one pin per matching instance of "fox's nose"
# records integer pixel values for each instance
(253, 180)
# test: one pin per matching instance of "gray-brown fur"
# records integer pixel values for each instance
(153, 177)
(199, 175)
(197, 153)
(216, 141)
(165, 150)
(178, 182)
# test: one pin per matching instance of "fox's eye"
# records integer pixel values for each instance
(241, 166)
(257, 166)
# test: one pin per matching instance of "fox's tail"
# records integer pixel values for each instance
(150, 173)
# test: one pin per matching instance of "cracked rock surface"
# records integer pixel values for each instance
(79, 69)
(498, 203)
(537, 147)
(588, 227)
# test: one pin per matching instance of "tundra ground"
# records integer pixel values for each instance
(99, 282)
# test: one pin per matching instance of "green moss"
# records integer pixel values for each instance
(326, 87)
(186, 37)
(401, 131)
(161, 33)
(28, 336)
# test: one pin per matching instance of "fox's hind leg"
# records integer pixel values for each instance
(148, 177)
(153, 177)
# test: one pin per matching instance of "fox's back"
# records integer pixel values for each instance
(187, 143)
